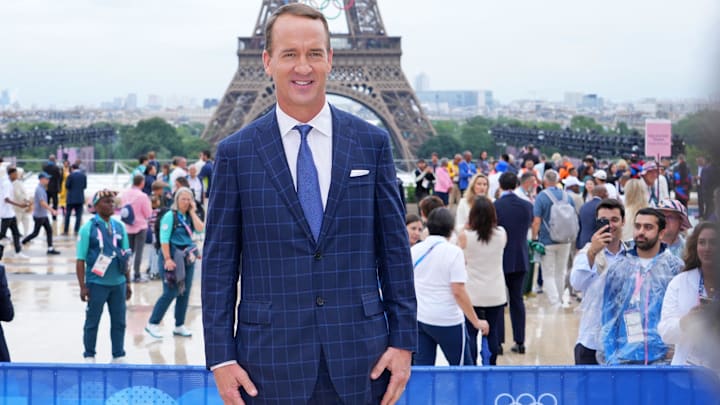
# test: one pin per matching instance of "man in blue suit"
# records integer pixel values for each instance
(311, 246)
(515, 215)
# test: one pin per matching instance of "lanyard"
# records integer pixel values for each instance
(639, 280)
(701, 286)
(101, 239)
(421, 258)
(185, 224)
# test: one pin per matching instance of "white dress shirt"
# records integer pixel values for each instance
(319, 140)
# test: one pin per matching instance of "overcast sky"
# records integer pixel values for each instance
(67, 52)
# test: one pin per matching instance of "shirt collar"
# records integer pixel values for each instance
(321, 122)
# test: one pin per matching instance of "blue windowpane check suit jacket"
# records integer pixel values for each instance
(299, 297)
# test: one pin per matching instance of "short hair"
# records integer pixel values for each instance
(600, 190)
(655, 213)
(441, 222)
(207, 154)
(138, 179)
(526, 176)
(410, 218)
(611, 204)
(551, 176)
(508, 181)
(298, 10)
(142, 159)
(11, 170)
(429, 204)
(183, 182)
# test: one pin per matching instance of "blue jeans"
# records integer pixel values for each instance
(115, 297)
(170, 293)
(453, 341)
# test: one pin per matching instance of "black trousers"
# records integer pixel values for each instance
(585, 356)
(53, 201)
(493, 316)
(514, 283)
(40, 222)
(78, 208)
(11, 224)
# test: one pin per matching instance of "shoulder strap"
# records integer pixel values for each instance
(550, 195)
(421, 258)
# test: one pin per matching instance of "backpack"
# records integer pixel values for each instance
(156, 227)
(127, 214)
(563, 225)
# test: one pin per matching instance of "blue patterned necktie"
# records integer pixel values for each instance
(308, 185)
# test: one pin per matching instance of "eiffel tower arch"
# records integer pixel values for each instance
(366, 69)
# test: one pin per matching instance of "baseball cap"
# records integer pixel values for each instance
(571, 181)
(102, 194)
(648, 166)
(44, 175)
(600, 174)
(676, 206)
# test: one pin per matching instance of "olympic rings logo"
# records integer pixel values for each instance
(321, 5)
(500, 399)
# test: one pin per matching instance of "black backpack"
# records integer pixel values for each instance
(156, 227)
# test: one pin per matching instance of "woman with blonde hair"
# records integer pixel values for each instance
(636, 198)
(479, 185)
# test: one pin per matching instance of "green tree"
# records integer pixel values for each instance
(580, 122)
(444, 145)
(151, 134)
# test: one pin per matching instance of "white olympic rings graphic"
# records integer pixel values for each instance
(526, 396)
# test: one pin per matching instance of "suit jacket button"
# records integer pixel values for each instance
(319, 301)
(318, 255)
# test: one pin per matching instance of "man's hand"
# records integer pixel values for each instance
(229, 379)
(84, 293)
(600, 240)
(128, 292)
(397, 361)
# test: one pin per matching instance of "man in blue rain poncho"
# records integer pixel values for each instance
(633, 295)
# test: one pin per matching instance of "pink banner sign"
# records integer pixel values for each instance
(658, 138)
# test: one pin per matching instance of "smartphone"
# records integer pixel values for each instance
(600, 222)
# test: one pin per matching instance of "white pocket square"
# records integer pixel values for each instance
(359, 172)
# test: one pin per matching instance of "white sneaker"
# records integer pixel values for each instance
(21, 255)
(118, 360)
(154, 331)
(90, 360)
(182, 331)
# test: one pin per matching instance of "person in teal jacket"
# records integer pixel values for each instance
(103, 248)
(177, 262)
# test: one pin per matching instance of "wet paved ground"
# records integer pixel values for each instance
(49, 318)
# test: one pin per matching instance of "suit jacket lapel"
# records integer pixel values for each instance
(269, 146)
(343, 141)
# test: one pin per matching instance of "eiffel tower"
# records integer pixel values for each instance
(366, 69)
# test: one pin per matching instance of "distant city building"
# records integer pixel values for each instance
(131, 102)
(209, 103)
(573, 99)
(592, 101)
(154, 102)
(450, 98)
(422, 82)
(5, 98)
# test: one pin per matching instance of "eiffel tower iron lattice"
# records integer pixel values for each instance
(366, 69)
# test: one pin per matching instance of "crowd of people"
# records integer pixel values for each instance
(162, 208)
(614, 236)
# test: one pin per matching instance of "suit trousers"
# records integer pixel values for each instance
(554, 266)
(78, 208)
(114, 296)
(514, 283)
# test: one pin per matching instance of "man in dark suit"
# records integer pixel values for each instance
(587, 216)
(515, 215)
(56, 178)
(7, 313)
(75, 185)
(305, 210)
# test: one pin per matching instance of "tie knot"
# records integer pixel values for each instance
(304, 130)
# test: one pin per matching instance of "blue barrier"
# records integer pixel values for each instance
(65, 384)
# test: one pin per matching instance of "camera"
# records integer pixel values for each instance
(601, 222)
